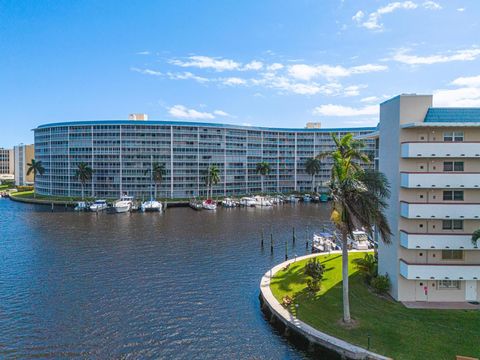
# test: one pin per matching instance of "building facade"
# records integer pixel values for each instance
(121, 154)
(22, 155)
(6, 164)
(431, 157)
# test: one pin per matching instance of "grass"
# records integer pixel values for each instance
(395, 331)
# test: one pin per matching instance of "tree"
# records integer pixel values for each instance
(475, 237)
(158, 172)
(213, 178)
(263, 168)
(35, 167)
(312, 167)
(83, 173)
(359, 200)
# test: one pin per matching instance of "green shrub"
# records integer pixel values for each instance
(314, 269)
(380, 284)
(313, 285)
(367, 267)
(24, 188)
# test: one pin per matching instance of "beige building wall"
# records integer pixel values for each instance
(23, 155)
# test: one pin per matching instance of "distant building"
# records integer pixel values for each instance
(138, 117)
(431, 157)
(6, 161)
(313, 125)
(22, 155)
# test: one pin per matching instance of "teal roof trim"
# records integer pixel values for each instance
(457, 115)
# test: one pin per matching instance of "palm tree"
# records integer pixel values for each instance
(312, 167)
(35, 167)
(158, 172)
(475, 237)
(83, 173)
(213, 178)
(263, 168)
(359, 200)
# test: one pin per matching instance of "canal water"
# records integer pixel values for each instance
(177, 285)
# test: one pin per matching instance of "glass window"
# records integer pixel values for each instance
(448, 284)
(452, 224)
(458, 166)
(447, 195)
(458, 136)
(458, 195)
(448, 166)
(457, 224)
(448, 136)
(452, 254)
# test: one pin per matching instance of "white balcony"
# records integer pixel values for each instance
(443, 211)
(436, 241)
(441, 149)
(440, 180)
(439, 272)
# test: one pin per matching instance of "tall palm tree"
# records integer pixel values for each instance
(312, 167)
(213, 178)
(359, 200)
(35, 167)
(158, 172)
(83, 173)
(263, 168)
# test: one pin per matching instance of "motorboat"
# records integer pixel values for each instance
(81, 206)
(307, 198)
(209, 204)
(248, 201)
(292, 199)
(229, 203)
(124, 204)
(262, 201)
(151, 205)
(324, 242)
(359, 241)
(99, 205)
(323, 197)
(195, 204)
(315, 198)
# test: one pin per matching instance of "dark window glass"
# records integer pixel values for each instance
(458, 195)
(447, 195)
(458, 166)
(447, 166)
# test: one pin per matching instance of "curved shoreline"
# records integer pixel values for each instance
(278, 312)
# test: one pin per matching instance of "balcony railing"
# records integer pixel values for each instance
(443, 211)
(440, 149)
(454, 241)
(442, 180)
(439, 271)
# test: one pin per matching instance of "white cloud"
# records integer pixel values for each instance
(404, 56)
(207, 62)
(221, 113)
(182, 112)
(370, 99)
(373, 20)
(275, 67)
(253, 65)
(345, 111)
(308, 72)
(353, 90)
(461, 9)
(467, 93)
(143, 53)
(147, 71)
(187, 76)
(232, 81)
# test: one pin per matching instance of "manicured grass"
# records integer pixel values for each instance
(395, 331)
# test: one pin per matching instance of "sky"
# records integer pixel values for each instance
(252, 62)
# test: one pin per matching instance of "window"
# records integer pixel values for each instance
(456, 195)
(452, 254)
(452, 224)
(453, 166)
(448, 284)
(456, 136)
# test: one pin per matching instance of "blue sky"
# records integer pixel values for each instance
(265, 63)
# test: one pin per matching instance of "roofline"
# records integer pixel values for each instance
(440, 124)
(187, 123)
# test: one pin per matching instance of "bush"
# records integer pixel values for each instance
(313, 285)
(314, 269)
(24, 188)
(367, 267)
(381, 284)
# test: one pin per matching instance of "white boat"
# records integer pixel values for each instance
(247, 201)
(323, 242)
(152, 205)
(124, 204)
(262, 201)
(292, 199)
(209, 204)
(360, 240)
(229, 203)
(195, 204)
(98, 205)
(81, 206)
(307, 198)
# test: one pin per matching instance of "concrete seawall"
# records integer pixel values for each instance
(277, 313)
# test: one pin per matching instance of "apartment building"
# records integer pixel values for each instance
(120, 153)
(6, 164)
(22, 155)
(431, 157)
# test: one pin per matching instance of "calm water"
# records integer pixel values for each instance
(181, 285)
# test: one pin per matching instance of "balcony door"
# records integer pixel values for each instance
(471, 290)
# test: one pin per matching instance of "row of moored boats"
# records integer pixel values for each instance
(122, 205)
(326, 241)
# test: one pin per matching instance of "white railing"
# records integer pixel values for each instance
(436, 241)
(440, 149)
(439, 272)
(440, 180)
(445, 211)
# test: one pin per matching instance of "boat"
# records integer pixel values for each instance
(209, 204)
(262, 201)
(99, 205)
(195, 204)
(292, 199)
(151, 205)
(307, 198)
(324, 242)
(81, 206)
(229, 203)
(315, 198)
(124, 204)
(323, 197)
(247, 201)
(359, 241)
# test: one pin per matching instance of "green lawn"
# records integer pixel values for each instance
(395, 331)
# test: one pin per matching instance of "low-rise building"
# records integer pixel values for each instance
(6, 164)
(23, 154)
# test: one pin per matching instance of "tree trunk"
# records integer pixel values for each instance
(346, 300)
(313, 183)
(34, 183)
(155, 195)
(261, 180)
(83, 196)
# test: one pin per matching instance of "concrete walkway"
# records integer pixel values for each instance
(440, 305)
(341, 347)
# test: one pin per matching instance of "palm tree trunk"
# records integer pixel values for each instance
(313, 183)
(83, 194)
(34, 182)
(261, 180)
(155, 196)
(346, 300)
